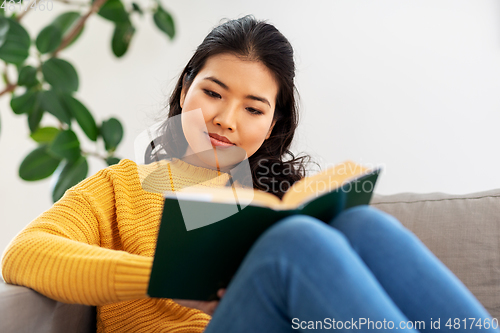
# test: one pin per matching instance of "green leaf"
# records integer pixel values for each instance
(66, 145)
(24, 103)
(65, 22)
(27, 76)
(114, 10)
(4, 30)
(39, 164)
(34, 118)
(51, 102)
(60, 74)
(82, 116)
(121, 38)
(136, 8)
(164, 21)
(112, 133)
(48, 39)
(45, 134)
(112, 160)
(68, 175)
(16, 47)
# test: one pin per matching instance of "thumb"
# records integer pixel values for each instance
(221, 292)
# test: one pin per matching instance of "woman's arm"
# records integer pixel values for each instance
(60, 253)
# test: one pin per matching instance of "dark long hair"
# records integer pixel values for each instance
(256, 41)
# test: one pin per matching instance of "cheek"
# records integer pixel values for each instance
(256, 136)
(208, 112)
(194, 99)
(199, 102)
(193, 125)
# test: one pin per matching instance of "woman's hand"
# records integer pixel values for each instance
(206, 306)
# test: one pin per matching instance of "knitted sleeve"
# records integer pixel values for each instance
(60, 253)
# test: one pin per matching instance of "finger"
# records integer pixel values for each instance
(210, 308)
(221, 292)
(188, 303)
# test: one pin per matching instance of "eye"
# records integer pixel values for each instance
(254, 111)
(211, 93)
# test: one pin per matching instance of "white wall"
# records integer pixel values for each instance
(412, 85)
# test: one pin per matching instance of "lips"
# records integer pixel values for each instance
(220, 138)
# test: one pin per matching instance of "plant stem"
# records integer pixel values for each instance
(93, 154)
(18, 18)
(10, 87)
(69, 37)
(74, 32)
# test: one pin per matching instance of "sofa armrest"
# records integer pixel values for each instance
(463, 231)
(24, 310)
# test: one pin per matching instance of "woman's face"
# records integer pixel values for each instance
(232, 98)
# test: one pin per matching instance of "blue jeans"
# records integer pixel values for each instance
(361, 272)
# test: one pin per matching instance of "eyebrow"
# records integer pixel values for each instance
(224, 86)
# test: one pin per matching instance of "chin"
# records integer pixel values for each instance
(226, 157)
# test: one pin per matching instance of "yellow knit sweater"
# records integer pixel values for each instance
(95, 247)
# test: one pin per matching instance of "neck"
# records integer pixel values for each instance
(193, 159)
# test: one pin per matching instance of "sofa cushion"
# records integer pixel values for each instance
(463, 231)
(25, 310)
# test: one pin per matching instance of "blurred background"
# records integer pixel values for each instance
(412, 86)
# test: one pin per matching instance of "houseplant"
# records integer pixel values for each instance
(46, 83)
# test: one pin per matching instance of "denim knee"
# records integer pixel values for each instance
(299, 233)
(365, 217)
(361, 224)
(296, 245)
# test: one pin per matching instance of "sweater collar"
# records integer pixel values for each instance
(155, 177)
(200, 175)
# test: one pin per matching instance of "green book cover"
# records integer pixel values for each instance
(194, 262)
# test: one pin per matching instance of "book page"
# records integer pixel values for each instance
(243, 196)
(302, 191)
(323, 182)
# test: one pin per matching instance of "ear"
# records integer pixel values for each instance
(270, 129)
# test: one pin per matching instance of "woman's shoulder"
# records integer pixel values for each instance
(120, 175)
(125, 169)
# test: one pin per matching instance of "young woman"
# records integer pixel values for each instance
(362, 271)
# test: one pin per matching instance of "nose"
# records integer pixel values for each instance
(226, 117)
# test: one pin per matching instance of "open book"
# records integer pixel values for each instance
(205, 233)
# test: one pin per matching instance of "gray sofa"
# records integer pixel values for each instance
(462, 230)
